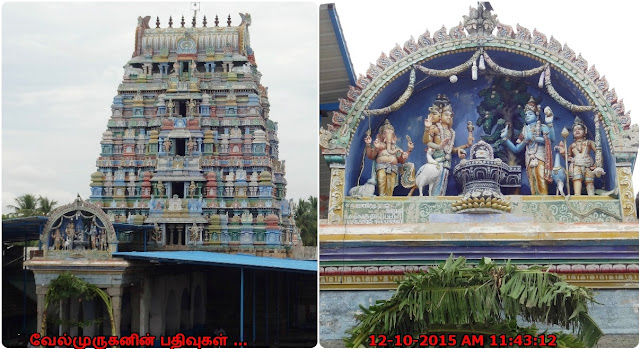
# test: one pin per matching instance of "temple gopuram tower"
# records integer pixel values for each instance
(190, 147)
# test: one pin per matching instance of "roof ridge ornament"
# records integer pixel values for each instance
(480, 22)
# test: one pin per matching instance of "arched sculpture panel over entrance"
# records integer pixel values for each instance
(488, 78)
(78, 229)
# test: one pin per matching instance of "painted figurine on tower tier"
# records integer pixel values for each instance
(387, 157)
(440, 136)
(536, 140)
(582, 167)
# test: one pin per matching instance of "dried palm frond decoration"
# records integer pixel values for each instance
(457, 298)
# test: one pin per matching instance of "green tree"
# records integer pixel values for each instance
(503, 103)
(26, 206)
(46, 205)
(306, 217)
(66, 286)
(456, 298)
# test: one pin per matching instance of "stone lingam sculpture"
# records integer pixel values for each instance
(481, 178)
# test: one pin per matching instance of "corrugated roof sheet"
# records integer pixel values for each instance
(223, 259)
(28, 228)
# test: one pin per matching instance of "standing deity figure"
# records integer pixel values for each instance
(71, 232)
(170, 106)
(103, 240)
(195, 232)
(176, 69)
(536, 140)
(57, 240)
(71, 235)
(440, 136)
(93, 234)
(192, 189)
(582, 167)
(191, 106)
(191, 146)
(156, 235)
(387, 157)
(167, 145)
(160, 187)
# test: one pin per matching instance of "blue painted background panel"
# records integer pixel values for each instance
(409, 119)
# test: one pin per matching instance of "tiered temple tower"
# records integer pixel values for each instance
(190, 146)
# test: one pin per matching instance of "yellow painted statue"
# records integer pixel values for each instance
(582, 167)
(387, 156)
(440, 136)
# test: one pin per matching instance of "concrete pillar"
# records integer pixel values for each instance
(116, 306)
(135, 310)
(89, 314)
(145, 302)
(156, 308)
(41, 291)
(74, 315)
(192, 291)
(180, 233)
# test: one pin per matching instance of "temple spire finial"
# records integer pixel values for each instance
(229, 21)
(157, 22)
(182, 22)
(204, 21)
(170, 22)
(216, 21)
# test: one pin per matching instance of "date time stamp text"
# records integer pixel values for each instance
(467, 340)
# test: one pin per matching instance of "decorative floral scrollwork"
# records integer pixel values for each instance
(336, 200)
(626, 194)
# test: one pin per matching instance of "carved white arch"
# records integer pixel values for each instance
(72, 209)
(621, 135)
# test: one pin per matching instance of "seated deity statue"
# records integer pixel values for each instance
(119, 175)
(241, 175)
(175, 203)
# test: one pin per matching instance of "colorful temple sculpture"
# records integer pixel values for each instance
(188, 218)
(518, 148)
(190, 146)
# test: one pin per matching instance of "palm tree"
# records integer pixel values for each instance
(306, 217)
(457, 299)
(26, 205)
(46, 205)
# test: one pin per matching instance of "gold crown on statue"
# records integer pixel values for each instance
(386, 126)
(578, 122)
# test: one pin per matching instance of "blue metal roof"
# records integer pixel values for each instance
(223, 259)
(30, 228)
(23, 229)
(337, 29)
